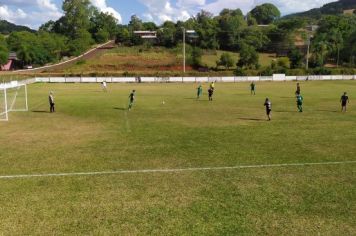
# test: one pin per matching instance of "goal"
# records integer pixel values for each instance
(13, 97)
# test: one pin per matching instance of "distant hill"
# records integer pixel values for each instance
(7, 27)
(333, 8)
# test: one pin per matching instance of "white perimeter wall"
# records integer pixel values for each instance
(232, 79)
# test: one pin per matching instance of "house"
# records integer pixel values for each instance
(13, 63)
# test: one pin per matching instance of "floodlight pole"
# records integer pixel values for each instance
(183, 50)
(308, 51)
(184, 46)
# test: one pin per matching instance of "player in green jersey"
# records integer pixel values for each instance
(300, 100)
(253, 88)
(199, 91)
(132, 99)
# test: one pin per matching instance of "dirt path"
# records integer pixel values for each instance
(62, 65)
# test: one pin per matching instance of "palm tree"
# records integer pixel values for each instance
(321, 48)
(336, 42)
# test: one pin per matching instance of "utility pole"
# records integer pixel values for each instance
(191, 34)
(183, 50)
(308, 42)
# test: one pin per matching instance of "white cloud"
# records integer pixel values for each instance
(293, 6)
(12, 15)
(186, 3)
(36, 12)
(102, 6)
(47, 5)
(161, 10)
(29, 13)
(217, 6)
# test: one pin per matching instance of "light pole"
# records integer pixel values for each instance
(307, 63)
(183, 50)
(184, 37)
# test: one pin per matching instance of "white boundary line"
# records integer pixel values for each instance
(26, 176)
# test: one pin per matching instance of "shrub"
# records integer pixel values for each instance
(240, 72)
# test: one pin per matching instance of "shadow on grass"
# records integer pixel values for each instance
(40, 111)
(285, 111)
(120, 108)
(333, 111)
(251, 119)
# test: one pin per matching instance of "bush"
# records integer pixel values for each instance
(283, 62)
(321, 71)
(81, 62)
(297, 72)
(240, 72)
(226, 60)
(102, 36)
(268, 71)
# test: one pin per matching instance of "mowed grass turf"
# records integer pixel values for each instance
(92, 131)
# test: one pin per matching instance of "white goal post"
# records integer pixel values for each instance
(13, 97)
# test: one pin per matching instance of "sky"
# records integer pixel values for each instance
(34, 13)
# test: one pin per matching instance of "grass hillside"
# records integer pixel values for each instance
(93, 132)
(136, 60)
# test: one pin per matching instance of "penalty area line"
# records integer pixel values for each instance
(26, 176)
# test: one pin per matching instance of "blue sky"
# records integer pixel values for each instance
(33, 13)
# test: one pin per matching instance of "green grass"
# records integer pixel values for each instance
(91, 131)
(131, 59)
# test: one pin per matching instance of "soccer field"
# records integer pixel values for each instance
(94, 168)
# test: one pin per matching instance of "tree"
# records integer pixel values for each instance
(266, 13)
(255, 37)
(123, 36)
(76, 14)
(25, 54)
(226, 60)
(103, 26)
(196, 57)
(296, 58)
(166, 35)
(48, 26)
(320, 49)
(251, 20)
(349, 50)
(336, 44)
(81, 43)
(248, 57)
(151, 26)
(231, 24)
(4, 51)
(206, 27)
(102, 36)
(135, 23)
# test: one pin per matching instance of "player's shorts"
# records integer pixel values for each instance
(268, 111)
(343, 104)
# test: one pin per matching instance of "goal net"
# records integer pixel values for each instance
(13, 97)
